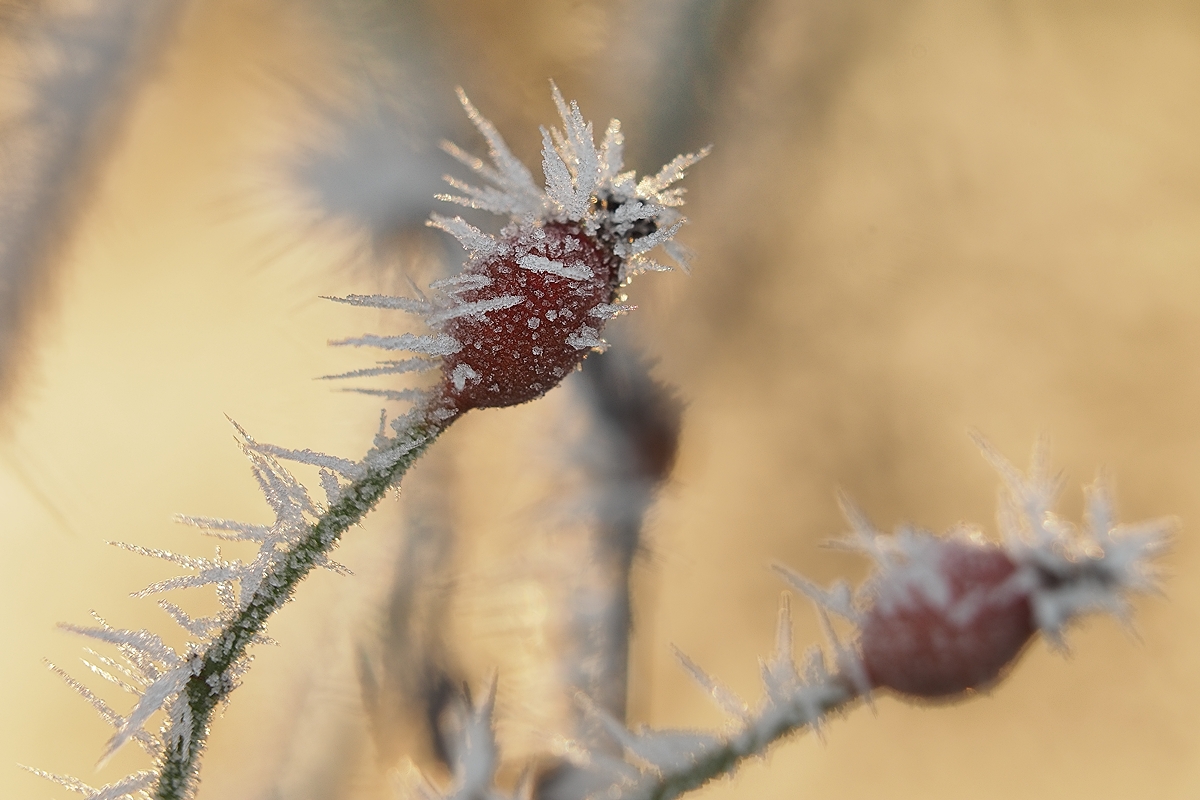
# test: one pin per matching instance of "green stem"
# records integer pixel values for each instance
(210, 683)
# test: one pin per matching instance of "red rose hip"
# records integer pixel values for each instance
(560, 282)
(947, 619)
(531, 302)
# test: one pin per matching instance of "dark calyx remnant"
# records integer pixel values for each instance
(629, 231)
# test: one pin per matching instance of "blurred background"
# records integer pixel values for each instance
(920, 217)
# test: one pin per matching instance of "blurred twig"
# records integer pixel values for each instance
(79, 62)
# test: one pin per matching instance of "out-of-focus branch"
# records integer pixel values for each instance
(626, 454)
(79, 62)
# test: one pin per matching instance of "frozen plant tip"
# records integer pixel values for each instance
(531, 302)
(942, 615)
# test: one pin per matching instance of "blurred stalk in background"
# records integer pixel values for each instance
(74, 67)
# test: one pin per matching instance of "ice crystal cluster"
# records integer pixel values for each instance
(188, 685)
(531, 302)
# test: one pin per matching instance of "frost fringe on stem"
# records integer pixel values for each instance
(527, 308)
(1065, 572)
(189, 686)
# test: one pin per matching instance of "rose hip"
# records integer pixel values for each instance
(566, 280)
(947, 620)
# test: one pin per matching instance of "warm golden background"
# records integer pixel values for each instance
(919, 218)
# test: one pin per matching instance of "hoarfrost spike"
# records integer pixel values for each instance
(208, 570)
(218, 573)
(140, 641)
(780, 676)
(112, 664)
(846, 658)
(386, 368)
(385, 302)
(681, 255)
(395, 395)
(637, 266)
(473, 240)
(806, 697)
(473, 163)
(485, 199)
(607, 311)
(783, 628)
(863, 536)
(539, 264)
(332, 487)
(438, 344)
(586, 338)
(578, 157)
(478, 308)
(145, 739)
(510, 168)
(228, 529)
(612, 157)
(342, 466)
(130, 688)
(133, 786)
(154, 698)
(669, 174)
(461, 283)
(838, 599)
(516, 193)
(200, 626)
(729, 702)
(636, 210)
(647, 243)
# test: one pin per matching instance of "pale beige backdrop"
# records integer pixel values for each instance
(919, 218)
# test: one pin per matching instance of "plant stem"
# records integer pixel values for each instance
(754, 739)
(211, 680)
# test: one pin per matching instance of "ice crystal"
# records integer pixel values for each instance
(158, 673)
(473, 756)
(133, 787)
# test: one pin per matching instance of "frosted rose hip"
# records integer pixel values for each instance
(947, 620)
(566, 279)
(532, 301)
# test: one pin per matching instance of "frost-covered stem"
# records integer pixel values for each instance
(211, 680)
(759, 733)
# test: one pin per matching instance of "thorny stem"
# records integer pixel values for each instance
(211, 682)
